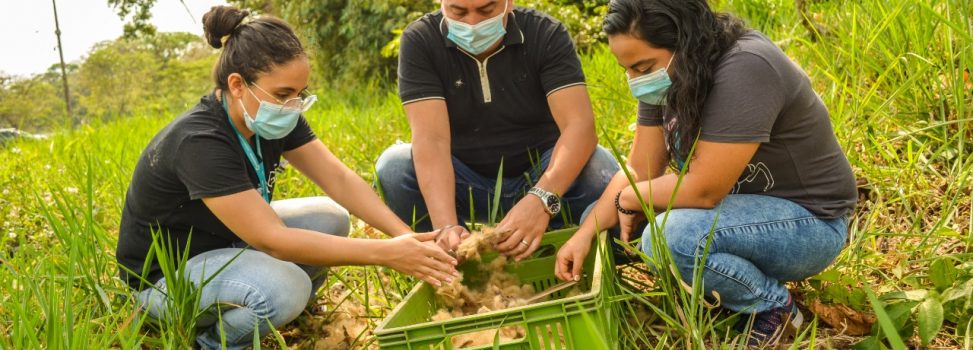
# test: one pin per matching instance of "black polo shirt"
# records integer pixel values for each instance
(498, 108)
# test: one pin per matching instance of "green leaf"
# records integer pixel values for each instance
(900, 313)
(884, 321)
(497, 194)
(913, 295)
(941, 274)
(869, 343)
(930, 315)
(280, 339)
(958, 292)
(831, 275)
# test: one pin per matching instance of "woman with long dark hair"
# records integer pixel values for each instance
(764, 174)
(205, 184)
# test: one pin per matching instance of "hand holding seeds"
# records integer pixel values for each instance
(416, 254)
(525, 223)
(449, 237)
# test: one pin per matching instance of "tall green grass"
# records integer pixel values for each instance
(894, 75)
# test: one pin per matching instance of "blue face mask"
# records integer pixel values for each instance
(274, 121)
(651, 88)
(476, 38)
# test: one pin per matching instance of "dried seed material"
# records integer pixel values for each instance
(484, 241)
(501, 290)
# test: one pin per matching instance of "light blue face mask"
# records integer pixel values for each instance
(651, 88)
(476, 38)
(274, 121)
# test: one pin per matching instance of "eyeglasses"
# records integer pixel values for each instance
(302, 102)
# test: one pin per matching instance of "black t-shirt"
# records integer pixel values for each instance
(197, 155)
(760, 96)
(498, 108)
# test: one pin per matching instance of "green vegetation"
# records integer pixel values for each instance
(895, 75)
(108, 83)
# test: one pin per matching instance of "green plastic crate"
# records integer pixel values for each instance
(555, 324)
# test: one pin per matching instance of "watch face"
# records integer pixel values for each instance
(554, 204)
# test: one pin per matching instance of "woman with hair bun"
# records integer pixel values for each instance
(767, 191)
(205, 183)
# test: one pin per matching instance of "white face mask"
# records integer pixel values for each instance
(651, 88)
(476, 38)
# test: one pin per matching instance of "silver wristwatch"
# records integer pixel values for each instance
(552, 203)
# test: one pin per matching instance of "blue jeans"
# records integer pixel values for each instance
(255, 288)
(758, 243)
(397, 178)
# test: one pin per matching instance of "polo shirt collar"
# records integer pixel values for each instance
(514, 36)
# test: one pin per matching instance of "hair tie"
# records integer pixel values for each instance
(244, 21)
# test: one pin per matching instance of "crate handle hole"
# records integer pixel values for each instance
(545, 251)
(478, 339)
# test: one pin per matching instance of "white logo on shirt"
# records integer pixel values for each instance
(752, 174)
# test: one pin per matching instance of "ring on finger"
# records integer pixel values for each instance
(525, 242)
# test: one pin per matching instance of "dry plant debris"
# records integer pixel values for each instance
(501, 290)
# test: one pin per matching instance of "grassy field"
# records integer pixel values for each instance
(895, 75)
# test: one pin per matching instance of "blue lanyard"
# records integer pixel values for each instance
(255, 161)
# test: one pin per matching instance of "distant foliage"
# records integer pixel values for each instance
(159, 73)
(356, 41)
(152, 74)
(137, 13)
(346, 36)
(583, 18)
(31, 103)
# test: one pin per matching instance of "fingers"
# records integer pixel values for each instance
(439, 255)
(510, 242)
(562, 266)
(441, 266)
(530, 250)
(520, 246)
(454, 238)
(624, 227)
(425, 275)
(439, 277)
(577, 265)
(425, 236)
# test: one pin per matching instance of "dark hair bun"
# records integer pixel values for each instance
(220, 21)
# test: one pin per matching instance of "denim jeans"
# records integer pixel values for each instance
(255, 288)
(758, 243)
(397, 178)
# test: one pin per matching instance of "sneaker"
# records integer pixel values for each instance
(769, 328)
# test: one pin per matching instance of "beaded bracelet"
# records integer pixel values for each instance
(618, 206)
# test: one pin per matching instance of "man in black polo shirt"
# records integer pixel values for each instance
(485, 85)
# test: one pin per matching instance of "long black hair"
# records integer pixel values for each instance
(249, 48)
(698, 37)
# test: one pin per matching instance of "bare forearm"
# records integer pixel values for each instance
(434, 170)
(648, 157)
(361, 201)
(658, 192)
(319, 249)
(571, 153)
(604, 216)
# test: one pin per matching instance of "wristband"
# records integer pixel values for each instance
(618, 206)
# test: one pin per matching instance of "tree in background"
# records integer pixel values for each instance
(356, 41)
(151, 74)
(157, 74)
(31, 104)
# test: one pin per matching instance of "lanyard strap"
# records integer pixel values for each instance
(255, 159)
